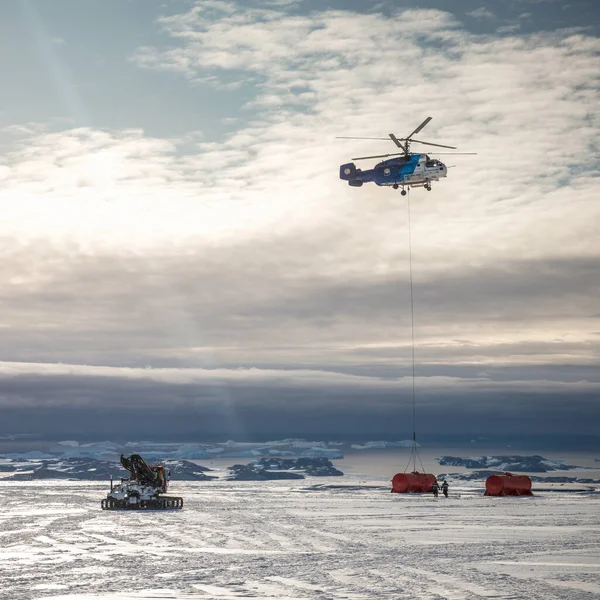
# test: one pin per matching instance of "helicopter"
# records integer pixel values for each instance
(407, 169)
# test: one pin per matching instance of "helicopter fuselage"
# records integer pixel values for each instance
(414, 170)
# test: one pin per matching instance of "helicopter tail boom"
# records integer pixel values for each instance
(355, 177)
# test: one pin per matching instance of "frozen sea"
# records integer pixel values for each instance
(322, 538)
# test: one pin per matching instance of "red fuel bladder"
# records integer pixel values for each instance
(412, 483)
(508, 485)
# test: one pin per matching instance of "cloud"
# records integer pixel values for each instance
(282, 378)
(249, 300)
(482, 13)
(258, 403)
(509, 28)
(214, 258)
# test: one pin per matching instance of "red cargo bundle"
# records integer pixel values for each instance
(412, 483)
(508, 485)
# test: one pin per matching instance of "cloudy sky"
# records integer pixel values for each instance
(180, 258)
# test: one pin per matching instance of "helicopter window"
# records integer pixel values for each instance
(430, 163)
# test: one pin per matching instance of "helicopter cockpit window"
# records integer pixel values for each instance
(430, 163)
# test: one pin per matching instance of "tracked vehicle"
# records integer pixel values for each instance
(143, 488)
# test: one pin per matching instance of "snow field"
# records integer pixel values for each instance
(314, 538)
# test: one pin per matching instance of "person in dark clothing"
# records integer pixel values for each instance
(435, 488)
(445, 488)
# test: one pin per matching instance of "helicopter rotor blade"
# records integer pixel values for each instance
(344, 137)
(404, 154)
(419, 127)
(378, 156)
(395, 140)
(432, 144)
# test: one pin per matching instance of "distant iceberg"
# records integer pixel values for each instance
(524, 463)
(234, 444)
(322, 452)
(72, 449)
(384, 444)
(287, 447)
(95, 470)
(188, 455)
(296, 443)
(192, 452)
(33, 455)
(241, 454)
(276, 452)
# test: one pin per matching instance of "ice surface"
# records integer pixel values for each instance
(313, 538)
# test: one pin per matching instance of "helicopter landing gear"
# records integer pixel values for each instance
(428, 187)
(395, 186)
(403, 192)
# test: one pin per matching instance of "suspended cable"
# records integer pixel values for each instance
(414, 454)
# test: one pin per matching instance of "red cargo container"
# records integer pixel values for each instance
(412, 483)
(508, 485)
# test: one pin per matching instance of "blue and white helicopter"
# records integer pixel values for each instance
(407, 170)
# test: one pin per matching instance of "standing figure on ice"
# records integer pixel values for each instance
(445, 488)
(435, 488)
